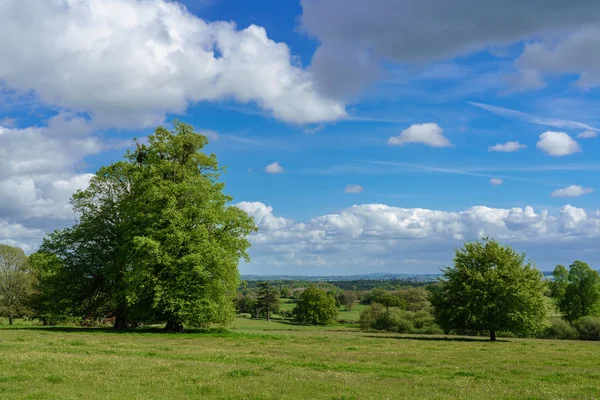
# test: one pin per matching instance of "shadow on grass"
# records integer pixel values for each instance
(153, 330)
(436, 338)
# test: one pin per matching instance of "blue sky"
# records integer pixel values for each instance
(381, 118)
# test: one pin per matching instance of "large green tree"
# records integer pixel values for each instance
(576, 290)
(490, 288)
(315, 307)
(15, 283)
(156, 240)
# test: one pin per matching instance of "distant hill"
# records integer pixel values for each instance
(379, 276)
(373, 276)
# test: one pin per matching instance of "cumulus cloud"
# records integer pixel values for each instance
(571, 191)
(557, 144)
(507, 147)
(39, 171)
(274, 168)
(429, 134)
(587, 135)
(155, 58)
(431, 30)
(353, 189)
(496, 181)
(374, 236)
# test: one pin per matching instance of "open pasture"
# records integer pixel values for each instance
(279, 360)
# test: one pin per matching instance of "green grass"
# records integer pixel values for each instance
(279, 360)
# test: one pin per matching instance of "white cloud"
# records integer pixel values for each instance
(39, 171)
(507, 147)
(374, 236)
(353, 189)
(131, 62)
(557, 144)
(571, 191)
(587, 135)
(496, 181)
(429, 134)
(274, 168)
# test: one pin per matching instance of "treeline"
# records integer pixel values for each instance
(387, 284)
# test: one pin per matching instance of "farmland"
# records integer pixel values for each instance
(256, 359)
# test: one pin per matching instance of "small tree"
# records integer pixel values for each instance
(267, 299)
(315, 307)
(15, 282)
(576, 291)
(491, 288)
(349, 299)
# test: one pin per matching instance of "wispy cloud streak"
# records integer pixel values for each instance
(553, 122)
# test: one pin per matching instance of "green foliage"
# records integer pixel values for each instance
(490, 288)
(315, 307)
(416, 299)
(588, 328)
(576, 291)
(348, 299)
(377, 317)
(15, 283)
(156, 239)
(245, 303)
(267, 299)
(57, 295)
(559, 329)
(389, 300)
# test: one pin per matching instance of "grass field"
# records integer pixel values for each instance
(277, 360)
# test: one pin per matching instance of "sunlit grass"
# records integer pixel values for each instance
(281, 360)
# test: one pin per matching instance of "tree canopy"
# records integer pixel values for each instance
(315, 307)
(576, 290)
(15, 282)
(490, 288)
(156, 239)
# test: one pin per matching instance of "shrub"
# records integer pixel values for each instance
(397, 320)
(588, 328)
(559, 329)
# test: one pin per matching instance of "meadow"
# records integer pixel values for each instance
(256, 359)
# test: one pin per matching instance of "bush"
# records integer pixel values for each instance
(588, 328)
(397, 320)
(559, 329)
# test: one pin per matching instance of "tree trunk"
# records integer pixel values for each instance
(268, 314)
(492, 336)
(120, 320)
(10, 320)
(174, 326)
